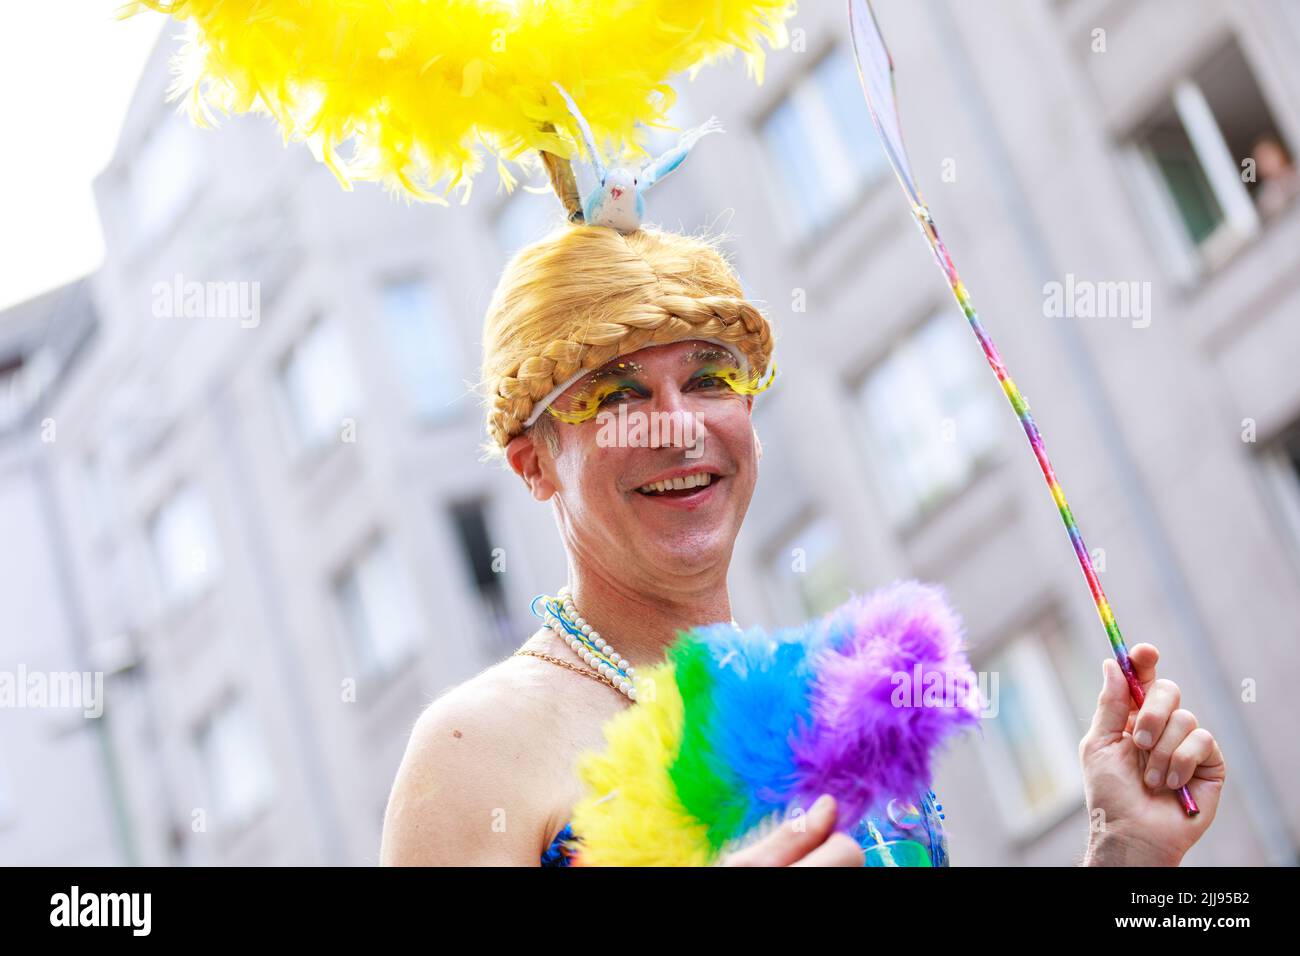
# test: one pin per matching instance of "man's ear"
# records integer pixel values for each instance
(758, 443)
(524, 460)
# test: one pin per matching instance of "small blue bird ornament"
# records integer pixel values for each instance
(618, 201)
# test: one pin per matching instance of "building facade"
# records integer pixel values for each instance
(286, 544)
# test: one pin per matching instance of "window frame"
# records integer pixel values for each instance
(303, 446)
(271, 784)
(353, 656)
(1050, 695)
(809, 89)
(1191, 262)
(443, 334)
(174, 596)
(905, 516)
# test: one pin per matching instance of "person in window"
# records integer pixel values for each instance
(1278, 181)
(589, 318)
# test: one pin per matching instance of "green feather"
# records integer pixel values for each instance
(705, 787)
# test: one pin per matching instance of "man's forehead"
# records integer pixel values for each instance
(688, 353)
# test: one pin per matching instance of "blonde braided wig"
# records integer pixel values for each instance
(584, 295)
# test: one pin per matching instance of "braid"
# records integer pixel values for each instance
(620, 320)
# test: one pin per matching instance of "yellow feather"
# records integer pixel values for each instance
(630, 814)
(414, 86)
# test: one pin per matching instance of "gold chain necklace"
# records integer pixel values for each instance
(529, 652)
(564, 620)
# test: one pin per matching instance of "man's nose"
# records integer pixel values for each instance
(679, 423)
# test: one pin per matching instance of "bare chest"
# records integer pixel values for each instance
(577, 710)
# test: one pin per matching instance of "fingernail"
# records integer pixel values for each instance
(823, 804)
(1153, 777)
(1143, 739)
(1172, 780)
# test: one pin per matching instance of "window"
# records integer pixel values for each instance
(8, 806)
(1291, 452)
(484, 572)
(423, 346)
(1031, 752)
(1216, 162)
(318, 386)
(931, 415)
(808, 573)
(380, 624)
(236, 765)
(185, 546)
(1281, 466)
(822, 144)
(164, 175)
(13, 394)
(102, 491)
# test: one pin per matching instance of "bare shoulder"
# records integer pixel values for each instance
(470, 788)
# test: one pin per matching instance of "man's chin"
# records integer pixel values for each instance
(685, 537)
(685, 551)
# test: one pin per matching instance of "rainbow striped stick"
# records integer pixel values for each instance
(876, 70)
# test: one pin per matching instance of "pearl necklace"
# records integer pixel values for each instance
(572, 628)
(561, 617)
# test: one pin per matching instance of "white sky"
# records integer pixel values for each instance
(67, 72)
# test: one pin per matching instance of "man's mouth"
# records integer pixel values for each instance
(685, 487)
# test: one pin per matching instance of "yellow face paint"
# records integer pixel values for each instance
(586, 404)
(739, 382)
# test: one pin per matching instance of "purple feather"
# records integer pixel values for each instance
(893, 684)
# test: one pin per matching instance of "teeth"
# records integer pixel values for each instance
(698, 480)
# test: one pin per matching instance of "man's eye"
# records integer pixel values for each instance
(710, 381)
(618, 395)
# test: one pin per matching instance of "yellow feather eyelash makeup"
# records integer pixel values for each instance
(740, 383)
(587, 403)
(722, 365)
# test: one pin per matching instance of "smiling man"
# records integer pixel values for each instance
(642, 500)
(590, 325)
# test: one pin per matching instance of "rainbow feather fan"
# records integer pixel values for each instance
(419, 87)
(736, 729)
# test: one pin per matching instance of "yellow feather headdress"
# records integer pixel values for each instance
(418, 89)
